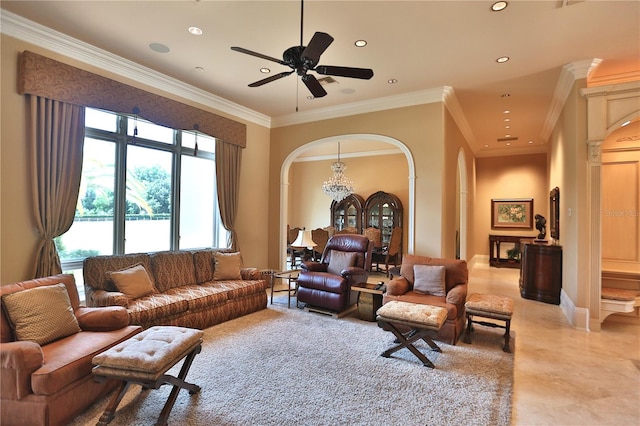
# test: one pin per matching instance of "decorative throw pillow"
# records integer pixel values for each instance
(340, 260)
(41, 314)
(134, 282)
(227, 266)
(429, 279)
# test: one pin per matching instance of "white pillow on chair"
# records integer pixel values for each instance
(429, 279)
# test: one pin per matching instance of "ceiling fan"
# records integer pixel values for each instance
(302, 59)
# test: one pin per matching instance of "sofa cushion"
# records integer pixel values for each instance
(134, 282)
(340, 260)
(426, 299)
(172, 269)
(156, 307)
(227, 266)
(429, 279)
(41, 314)
(203, 263)
(200, 297)
(69, 359)
(95, 268)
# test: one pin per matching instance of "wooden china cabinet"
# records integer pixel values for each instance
(383, 211)
(347, 213)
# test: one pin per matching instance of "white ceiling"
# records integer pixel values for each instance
(430, 47)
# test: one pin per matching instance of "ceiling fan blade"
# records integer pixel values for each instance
(314, 86)
(318, 44)
(256, 54)
(363, 73)
(270, 79)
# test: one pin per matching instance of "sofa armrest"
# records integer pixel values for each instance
(102, 319)
(397, 286)
(102, 298)
(17, 361)
(457, 295)
(311, 266)
(250, 274)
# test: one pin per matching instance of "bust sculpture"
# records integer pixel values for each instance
(541, 226)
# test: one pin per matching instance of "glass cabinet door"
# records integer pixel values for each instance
(348, 213)
(383, 211)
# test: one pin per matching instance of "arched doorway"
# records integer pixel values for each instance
(285, 185)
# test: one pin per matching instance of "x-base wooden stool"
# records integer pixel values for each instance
(421, 319)
(144, 359)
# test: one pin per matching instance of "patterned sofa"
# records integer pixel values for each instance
(186, 291)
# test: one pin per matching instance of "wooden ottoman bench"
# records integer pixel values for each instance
(489, 306)
(144, 359)
(419, 318)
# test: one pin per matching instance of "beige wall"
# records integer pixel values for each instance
(517, 176)
(310, 207)
(568, 171)
(418, 127)
(17, 236)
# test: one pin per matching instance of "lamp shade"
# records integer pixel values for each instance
(304, 240)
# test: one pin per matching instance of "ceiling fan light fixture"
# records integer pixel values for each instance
(360, 43)
(502, 59)
(392, 81)
(265, 70)
(499, 5)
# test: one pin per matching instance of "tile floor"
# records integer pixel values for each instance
(565, 376)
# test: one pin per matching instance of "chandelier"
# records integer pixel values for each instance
(338, 186)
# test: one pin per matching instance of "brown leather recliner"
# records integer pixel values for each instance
(326, 284)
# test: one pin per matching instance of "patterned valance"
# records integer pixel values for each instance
(45, 77)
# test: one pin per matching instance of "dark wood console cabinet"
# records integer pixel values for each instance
(541, 272)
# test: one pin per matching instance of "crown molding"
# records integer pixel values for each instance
(23, 29)
(380, 104)
(568, 75)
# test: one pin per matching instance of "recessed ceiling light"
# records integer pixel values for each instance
(507, 119)
(530, 142)
(499, 5)
(392, 81)
(360, 43)
(265, 70)
(199, 69)
(159, 47)
(508, 143)
(486, 146)
(310, 97)
(506, 111)
(502, 59)
(626, 123)
(507, 135)
(507, 127)
(195, 30)
(505, 95)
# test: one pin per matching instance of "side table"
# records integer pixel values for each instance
(291, 277)
(369, 299)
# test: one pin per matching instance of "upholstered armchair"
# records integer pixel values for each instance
(437, 282)
(326, 284)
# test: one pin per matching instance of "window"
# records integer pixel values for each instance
(142, 191)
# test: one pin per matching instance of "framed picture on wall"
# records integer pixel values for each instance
(512, 213)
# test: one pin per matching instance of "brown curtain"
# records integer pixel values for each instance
(56, 140)
(228, 159)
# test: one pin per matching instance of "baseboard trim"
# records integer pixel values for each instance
(577, 317)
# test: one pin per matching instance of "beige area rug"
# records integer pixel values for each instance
(285, 366)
